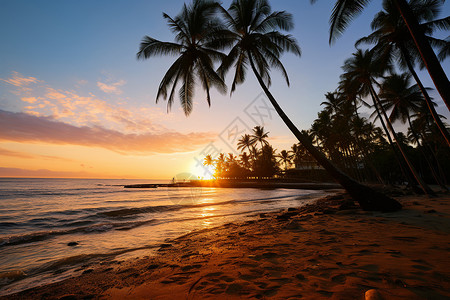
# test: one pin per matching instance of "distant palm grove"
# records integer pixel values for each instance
(211, 41)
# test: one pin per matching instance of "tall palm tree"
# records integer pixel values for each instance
(362, 69)
(401, 98)
(259, 135)
(255, 40)
(245, 142)
(193, 29)
(393, 42)
(345, 11)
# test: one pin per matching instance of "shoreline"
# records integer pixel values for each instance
(327, 249)
(230, 183)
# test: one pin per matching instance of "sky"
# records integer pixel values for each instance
(76, 103)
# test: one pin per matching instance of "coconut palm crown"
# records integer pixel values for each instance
(193, 29)
(253, 33)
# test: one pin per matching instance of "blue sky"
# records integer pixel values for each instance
(80, 61)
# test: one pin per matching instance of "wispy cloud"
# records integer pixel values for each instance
(18, 172)
(19, 80)
(22, 127)
(6, 152)
(112, 88)
(84, 108)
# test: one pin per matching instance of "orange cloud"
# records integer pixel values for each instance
(19, 80)
(21, 127)
(111, 88)
(17, 172)
(29, 99)
(6, 152)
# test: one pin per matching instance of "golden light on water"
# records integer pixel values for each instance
(206, 214)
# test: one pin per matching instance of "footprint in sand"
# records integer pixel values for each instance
(421, 267)
(339, 278)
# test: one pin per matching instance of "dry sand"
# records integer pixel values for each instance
(315, 252)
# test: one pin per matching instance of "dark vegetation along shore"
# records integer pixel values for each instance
(330, 249)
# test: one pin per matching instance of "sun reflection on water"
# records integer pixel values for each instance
(206, 213)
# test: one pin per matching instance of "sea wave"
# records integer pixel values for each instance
(43, 235)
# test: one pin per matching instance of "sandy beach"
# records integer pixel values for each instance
(331, 249)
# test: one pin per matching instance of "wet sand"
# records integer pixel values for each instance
(331, 249)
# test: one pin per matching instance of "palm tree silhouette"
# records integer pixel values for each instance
(259, 135)
(361, 69)
(245, 142)
(255, 40)
(193, 29)
(345, 11)
(394, 43)
(397, 95)
(285, 157)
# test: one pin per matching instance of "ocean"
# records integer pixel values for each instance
(51, 228)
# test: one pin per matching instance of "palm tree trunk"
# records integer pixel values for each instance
(367, 198)
(430, 165)
(419, 180)
(391, 143)
(430, 105)
(426, 52)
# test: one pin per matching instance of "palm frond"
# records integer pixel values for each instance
(150, 47)
(344, 11)
(285, 41)
(440, 24)
(187, 92)
(277, 20)
(177, 27)
(169, 78)
(445, 51)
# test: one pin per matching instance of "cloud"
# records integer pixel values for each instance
(111, 88)
(19, 80)
(44, 173)
(85, 108)
(29, 99)
(6, 152)
(22, 127)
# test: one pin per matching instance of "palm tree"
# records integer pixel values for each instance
(333, 103)
(345, 11)
(245, 161)
(193, 29)
(393, 42)
(255, 40)
(361, 69)
(220, 165)
(285, 157)
(398, 96)
(245, 142)
(208, 161)
(259, 135)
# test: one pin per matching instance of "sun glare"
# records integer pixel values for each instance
(202, 172)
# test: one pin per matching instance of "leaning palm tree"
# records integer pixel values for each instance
(345, 11)
(255, 41)
(193, 29)
(393, 42)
